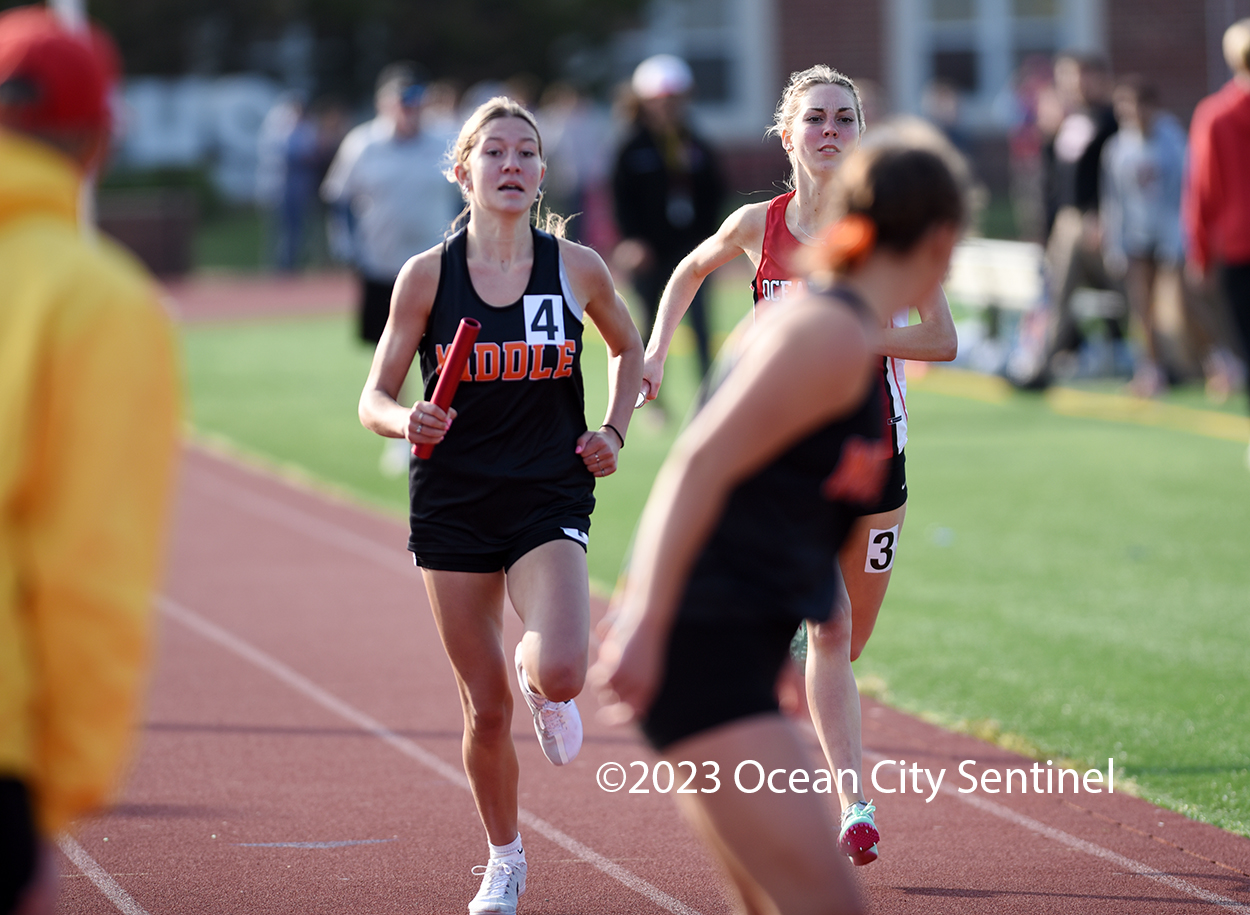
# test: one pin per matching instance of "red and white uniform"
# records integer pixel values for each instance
(775, 282)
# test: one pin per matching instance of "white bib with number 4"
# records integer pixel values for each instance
(544, 320)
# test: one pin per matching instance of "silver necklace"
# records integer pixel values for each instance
(807, 233)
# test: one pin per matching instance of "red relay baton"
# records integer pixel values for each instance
(449, 378)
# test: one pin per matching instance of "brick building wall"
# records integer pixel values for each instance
(844, 34)
(1173, 42)
(847, 34)
(1164, 41)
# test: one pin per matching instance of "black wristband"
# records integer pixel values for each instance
(616, 430)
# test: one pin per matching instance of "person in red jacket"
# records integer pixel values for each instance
(1217, 196)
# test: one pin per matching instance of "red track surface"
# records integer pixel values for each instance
(302, 750)
(301, 696)
(214, 297)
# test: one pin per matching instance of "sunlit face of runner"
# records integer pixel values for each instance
(825, 129)
(505, 167)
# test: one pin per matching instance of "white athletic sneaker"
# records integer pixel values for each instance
(558, 724)
(502, 882)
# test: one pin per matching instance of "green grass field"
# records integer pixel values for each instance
(1076, 588)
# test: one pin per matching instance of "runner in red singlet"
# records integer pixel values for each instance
(820, 121)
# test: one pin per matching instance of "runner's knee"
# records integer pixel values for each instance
(560, 679)
(488, 717)
(832, 637)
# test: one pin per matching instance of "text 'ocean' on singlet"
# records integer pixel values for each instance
(773, 551)
(775, 276)
(520, 404)
(774, 282)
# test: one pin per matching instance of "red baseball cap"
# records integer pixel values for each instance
(50, 77)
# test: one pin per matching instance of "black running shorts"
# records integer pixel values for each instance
(717, 673)
(894, 493)
(493, 558)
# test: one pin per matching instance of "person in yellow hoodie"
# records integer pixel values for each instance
(89, 405)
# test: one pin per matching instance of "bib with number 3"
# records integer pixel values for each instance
(882, 545)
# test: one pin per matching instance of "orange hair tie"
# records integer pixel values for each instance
(850, 241)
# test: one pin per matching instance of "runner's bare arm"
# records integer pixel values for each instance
(812, 348)
(380, 410)
(592, 284)
(741, 233)
(932, 340)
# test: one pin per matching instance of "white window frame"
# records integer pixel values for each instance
(748, 40)
(911, 41)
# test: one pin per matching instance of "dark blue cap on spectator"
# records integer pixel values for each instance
(411, 95)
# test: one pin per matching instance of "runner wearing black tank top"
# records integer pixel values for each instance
(740, 536)
(507, 476)
(820, 121)
(503, 503)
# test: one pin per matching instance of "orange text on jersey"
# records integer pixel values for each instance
(860, 473)
(514, 361)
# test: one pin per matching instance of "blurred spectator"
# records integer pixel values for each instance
(388, 176)
(296, 147)
(940, 105)
(299, 187)
(439, 116)
(1050, 114)
(1143, 168)
(332, 121)
(391, 201)
(667, 187)
(1035, 115)
(1141, 212)
(271, 152)
(576, 141)
(88, 421)
(1217, 204)
(1074, 250)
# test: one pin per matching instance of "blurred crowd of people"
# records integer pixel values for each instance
(1100, 170)
(299, 139)
(640, 184)
(1126, 200)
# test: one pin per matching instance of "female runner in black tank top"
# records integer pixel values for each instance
(739, 538)
(503, 502)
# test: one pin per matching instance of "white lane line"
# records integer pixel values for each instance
(1065, 838)
(345, 843)
(335, 535)
(100, 877)
(393, 558)
(412, 750)
(1136, 867)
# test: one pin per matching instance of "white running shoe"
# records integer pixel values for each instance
(558, 724)
(502, 882)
